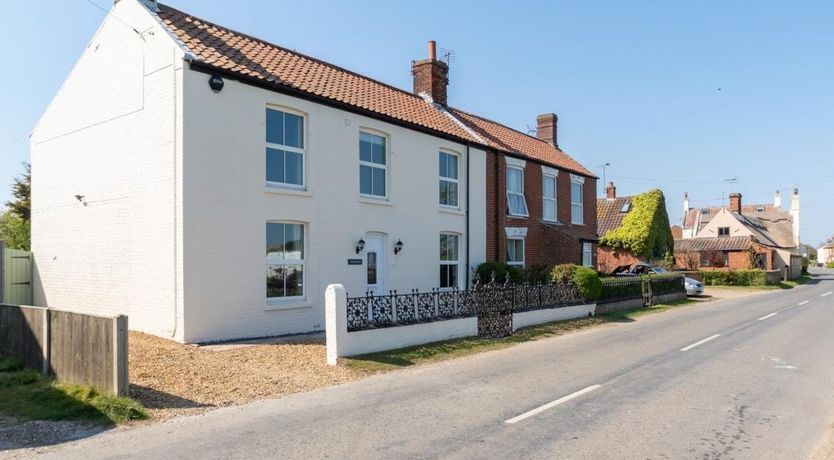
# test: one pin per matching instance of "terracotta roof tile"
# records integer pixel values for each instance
(609, 213)
(232, 51)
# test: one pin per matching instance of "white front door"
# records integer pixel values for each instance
(375, 264)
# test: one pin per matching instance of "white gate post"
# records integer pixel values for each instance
(335, 321)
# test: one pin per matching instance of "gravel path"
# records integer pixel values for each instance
(173, 379)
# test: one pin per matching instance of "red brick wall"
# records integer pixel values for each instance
(738, 260)
(546, 243)
(609, 259)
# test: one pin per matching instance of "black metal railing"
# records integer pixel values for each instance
(400, 309)
(635, 287)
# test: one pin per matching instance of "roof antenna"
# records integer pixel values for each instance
(532, 130)
(447, 56)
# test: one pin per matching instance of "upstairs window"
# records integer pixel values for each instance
(448, 179)
(723, 231)
(549, 197)
(284, 148)
(449, 260)
(284, 260)
(516, 204)
(577, 199)
(373, 165)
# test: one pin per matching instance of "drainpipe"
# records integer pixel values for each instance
(468, 188)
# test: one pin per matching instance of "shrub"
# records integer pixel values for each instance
(586, 279)
(538, 273)
(501, 270)
(735, 278)
(829, 265)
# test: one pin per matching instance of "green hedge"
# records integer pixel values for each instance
(584, 278)
(829, 265)
(645, 229)
(735, 278)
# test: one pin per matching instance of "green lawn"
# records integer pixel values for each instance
(29, 395)
(439, 351)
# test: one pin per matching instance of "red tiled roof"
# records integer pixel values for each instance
(231, 51)
(510, 140)
(609, 213)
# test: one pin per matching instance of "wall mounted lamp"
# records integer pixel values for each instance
(215, 83)
(398, 246)
(360, 245)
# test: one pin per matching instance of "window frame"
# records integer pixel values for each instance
(455, 180)
(450, 262)
(273, 261)
(590, 253)
(517, 264)
(554, 199)
(510, 212)
(576, 180)
(286, 148)
(722, 229)
(372, 165)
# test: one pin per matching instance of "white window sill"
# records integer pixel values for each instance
(514, 216)
(286, 190)
(552, 221)
(377, 201)
(278, 305)
(451, 210)
(577, 223)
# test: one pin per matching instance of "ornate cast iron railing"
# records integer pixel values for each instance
(636, 287)
(400, 309)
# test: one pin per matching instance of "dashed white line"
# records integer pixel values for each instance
(700, 342)
(549, 405)
(802, 303)
(827, 293)
(768, 316)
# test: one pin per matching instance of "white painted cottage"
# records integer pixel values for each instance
(210, 185)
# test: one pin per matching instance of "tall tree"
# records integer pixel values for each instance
(22, 192)
(15, 226)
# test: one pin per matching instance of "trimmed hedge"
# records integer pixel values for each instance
(584, 278)
(735, 278)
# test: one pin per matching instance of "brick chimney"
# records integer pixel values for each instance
(431, 77)
(610, 191)
(546, 125)
(735, 202)
(777, 200)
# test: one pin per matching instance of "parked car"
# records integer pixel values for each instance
(693, 287)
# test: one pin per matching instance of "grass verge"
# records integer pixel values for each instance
(29, 395)
(384, 361)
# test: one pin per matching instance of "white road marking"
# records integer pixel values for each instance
(802, 303)
(549, 405)
(827, 293)
(700, 342)
(768, 316)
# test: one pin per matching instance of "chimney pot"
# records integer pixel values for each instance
(432, 50)
(547, 128)
(610, 191)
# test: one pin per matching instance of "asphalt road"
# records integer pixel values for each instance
(749, 378)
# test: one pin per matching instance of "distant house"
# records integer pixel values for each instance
(740, 237)
(632, 229)
(825, 254)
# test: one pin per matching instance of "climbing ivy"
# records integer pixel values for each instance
(645, 230)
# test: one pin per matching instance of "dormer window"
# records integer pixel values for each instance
(723, 231)
(626, 207)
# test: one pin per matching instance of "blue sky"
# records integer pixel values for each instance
(635, 84)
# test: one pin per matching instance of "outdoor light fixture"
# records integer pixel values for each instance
(216, 83)
(360, 245)
(398, 246)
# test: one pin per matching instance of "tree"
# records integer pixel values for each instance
(15, 225)
(22, 192)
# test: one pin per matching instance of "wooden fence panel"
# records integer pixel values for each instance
(23, 335)
(74, 347)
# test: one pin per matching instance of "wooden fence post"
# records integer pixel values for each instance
(120, 382)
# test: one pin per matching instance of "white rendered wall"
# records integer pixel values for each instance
(111, 135)
(226, 206)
